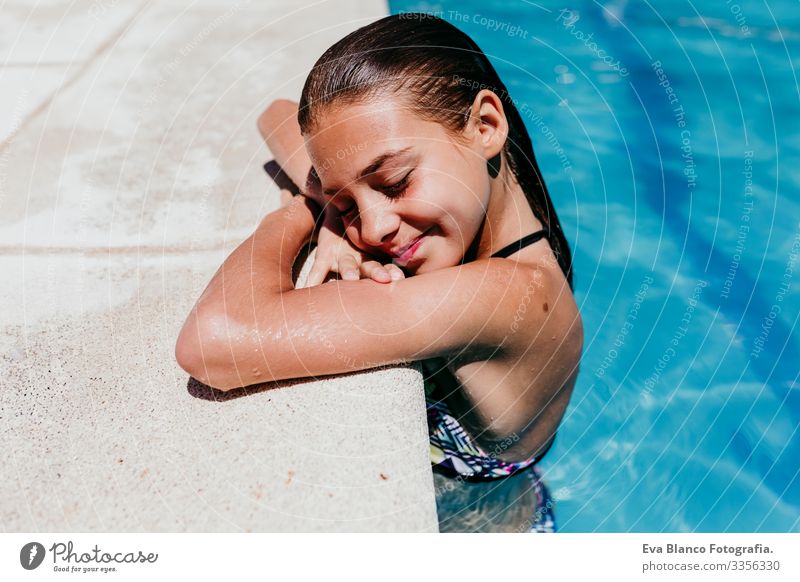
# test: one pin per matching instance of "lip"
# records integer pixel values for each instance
(400, 251)
(407, 256)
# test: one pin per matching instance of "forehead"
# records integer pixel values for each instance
(347, 138)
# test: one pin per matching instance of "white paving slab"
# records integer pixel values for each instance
(119, 198)
(45, 44)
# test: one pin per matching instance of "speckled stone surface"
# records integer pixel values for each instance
(119, 198)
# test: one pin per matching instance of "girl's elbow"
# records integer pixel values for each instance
(198, 357)
(187, 353)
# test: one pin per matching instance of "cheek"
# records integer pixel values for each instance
(475, 172)
(453, 200)
(470, 178)
(462, 206)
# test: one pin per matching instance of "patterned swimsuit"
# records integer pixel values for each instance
(456, 455)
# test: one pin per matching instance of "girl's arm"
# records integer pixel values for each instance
(280, 130)
(251, 325)
(228, 316)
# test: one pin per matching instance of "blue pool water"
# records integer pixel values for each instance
(677, 186)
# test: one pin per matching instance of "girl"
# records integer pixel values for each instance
(406, 145)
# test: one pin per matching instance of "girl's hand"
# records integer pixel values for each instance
(335, 254)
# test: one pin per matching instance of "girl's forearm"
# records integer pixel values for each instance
(267, 257)
(243, 295)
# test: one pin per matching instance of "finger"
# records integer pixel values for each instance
(374, 270)
(319, 270)
(349, 268)
(395, 272)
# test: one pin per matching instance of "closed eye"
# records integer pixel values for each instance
(398, 187)
(392, 190)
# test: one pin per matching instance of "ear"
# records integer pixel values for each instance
(488, 125)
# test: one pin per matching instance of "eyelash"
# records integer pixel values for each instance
(394, 190)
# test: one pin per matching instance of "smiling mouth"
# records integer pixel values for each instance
(400, 252)
(407, 253)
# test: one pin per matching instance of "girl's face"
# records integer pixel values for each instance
(396, 179)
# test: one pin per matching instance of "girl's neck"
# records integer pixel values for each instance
(508, 218)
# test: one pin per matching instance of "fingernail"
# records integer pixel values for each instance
(351, 275)
(396, 276)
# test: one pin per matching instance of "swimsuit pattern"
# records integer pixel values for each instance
(456, 455)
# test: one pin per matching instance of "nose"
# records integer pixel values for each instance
(378, 222)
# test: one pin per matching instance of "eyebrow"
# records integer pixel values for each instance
(373, 166)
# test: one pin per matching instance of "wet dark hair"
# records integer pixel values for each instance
(443, 69)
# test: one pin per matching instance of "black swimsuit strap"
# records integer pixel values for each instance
(522, 243)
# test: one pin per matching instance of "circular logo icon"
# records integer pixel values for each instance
(31, 555)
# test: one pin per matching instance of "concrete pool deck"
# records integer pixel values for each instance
(130, 166)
